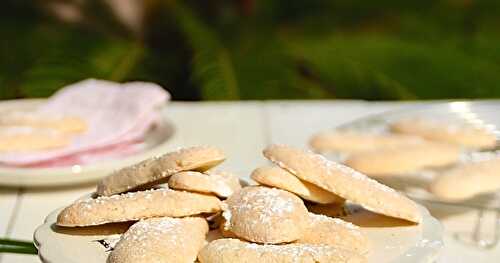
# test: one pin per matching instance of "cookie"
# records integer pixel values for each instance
(324, 230)
(353, 142)
(460, 134)
(265, 215)
(200, 158)
(222, 184)
(401, 160)
(63, 124)
(17, 139)
(135, 206)
(279, 178)
(165, 239)
(69, 125)
(344, 182)
(468, 180)
(228, 250)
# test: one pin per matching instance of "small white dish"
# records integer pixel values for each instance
(403, 244)
(156, 142)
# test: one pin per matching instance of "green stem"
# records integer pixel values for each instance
(17, 246)
(13, 242)
(18, 250)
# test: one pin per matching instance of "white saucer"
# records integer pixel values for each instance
(156, 142)
(403, 244)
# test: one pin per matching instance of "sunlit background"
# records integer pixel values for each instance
(248, 49)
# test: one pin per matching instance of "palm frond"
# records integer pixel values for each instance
(384, 67)
(63, 55)
(212, 65)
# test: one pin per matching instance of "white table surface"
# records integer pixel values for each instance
(242, 130)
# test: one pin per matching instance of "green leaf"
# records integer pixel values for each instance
(212, 65)
(255, 66)
(64, 55)
(266, 71)
(384, 67)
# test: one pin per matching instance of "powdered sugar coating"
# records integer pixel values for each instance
(159, 239)
(315, 218)
(199, 158)
(234, 250)
(274, 176)
(135, 206)
(332, 166)
(334, 232)
(266, 215)
(143, 229)
(343, 181)
(222, 184)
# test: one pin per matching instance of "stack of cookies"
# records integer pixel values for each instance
(171, 218)
(414, 144)
(266, 223)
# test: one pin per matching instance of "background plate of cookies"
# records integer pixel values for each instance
(443, 152)
(155, 141)
(179, 208)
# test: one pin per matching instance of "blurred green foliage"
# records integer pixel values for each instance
(250, 49)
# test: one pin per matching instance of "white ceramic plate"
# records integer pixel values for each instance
(156, 142)
(483, 113)
(389, 240)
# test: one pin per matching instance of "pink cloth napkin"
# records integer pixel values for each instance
(117, 116)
